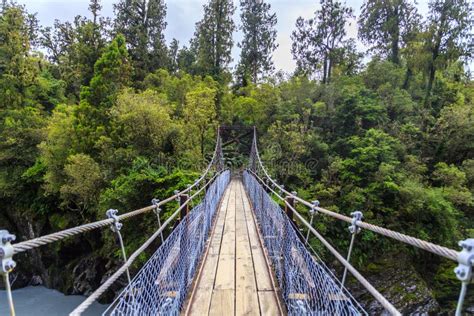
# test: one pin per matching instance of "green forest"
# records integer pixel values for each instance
(104, 112)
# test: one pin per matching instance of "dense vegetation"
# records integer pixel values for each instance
(98, 113)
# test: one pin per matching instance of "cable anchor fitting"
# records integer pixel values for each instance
(157, 211)
(466, 260)
(464, 270)
(6, 252)
(356, 217)
(116, 225)
(314, 210)
(156, 206)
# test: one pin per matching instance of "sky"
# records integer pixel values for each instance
(182, 16)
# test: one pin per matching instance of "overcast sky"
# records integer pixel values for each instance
(183, 14)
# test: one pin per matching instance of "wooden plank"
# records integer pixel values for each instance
(246, 297)
(298, 296)
(203, 293)
(222, 303)
(228, 239)
(216, 238)
(242, 238)
(268, 303)
(234, 279)
(264, 282)
(337, 297)
(225, 276)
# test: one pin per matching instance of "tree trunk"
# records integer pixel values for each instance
(434, 55)
(329, 70)
(408, 75)
(325, 65)
(431, 77)
(396, 38)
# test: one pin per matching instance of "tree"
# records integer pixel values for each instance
(173, 52)
(453, 133)
(258, 26)
(449, 29)
(75, 47)
(214, 38)
(111, 73)
(17, 71)
(187, 59)
(318, 41)
(200, 113)
(142, 22)
(141, 121)
(388, 25)
(83, 180)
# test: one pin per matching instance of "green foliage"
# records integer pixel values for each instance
(448, 33)
(142, 119)
(214, 38)
(200, 114)
(17, 70)
(111, 73)
(388, 25)
(143, 23)
(318, 42)
(82, 183)
(75, 46)
(20, 133)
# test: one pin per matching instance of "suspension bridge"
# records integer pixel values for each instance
(235, 249)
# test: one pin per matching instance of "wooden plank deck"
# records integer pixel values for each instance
(234, 278)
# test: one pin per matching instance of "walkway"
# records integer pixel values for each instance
(234, 279)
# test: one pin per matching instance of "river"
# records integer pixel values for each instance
(40, 301)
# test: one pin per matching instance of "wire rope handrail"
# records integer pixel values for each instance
(419, 243)
(106, 285)
(374, 292)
